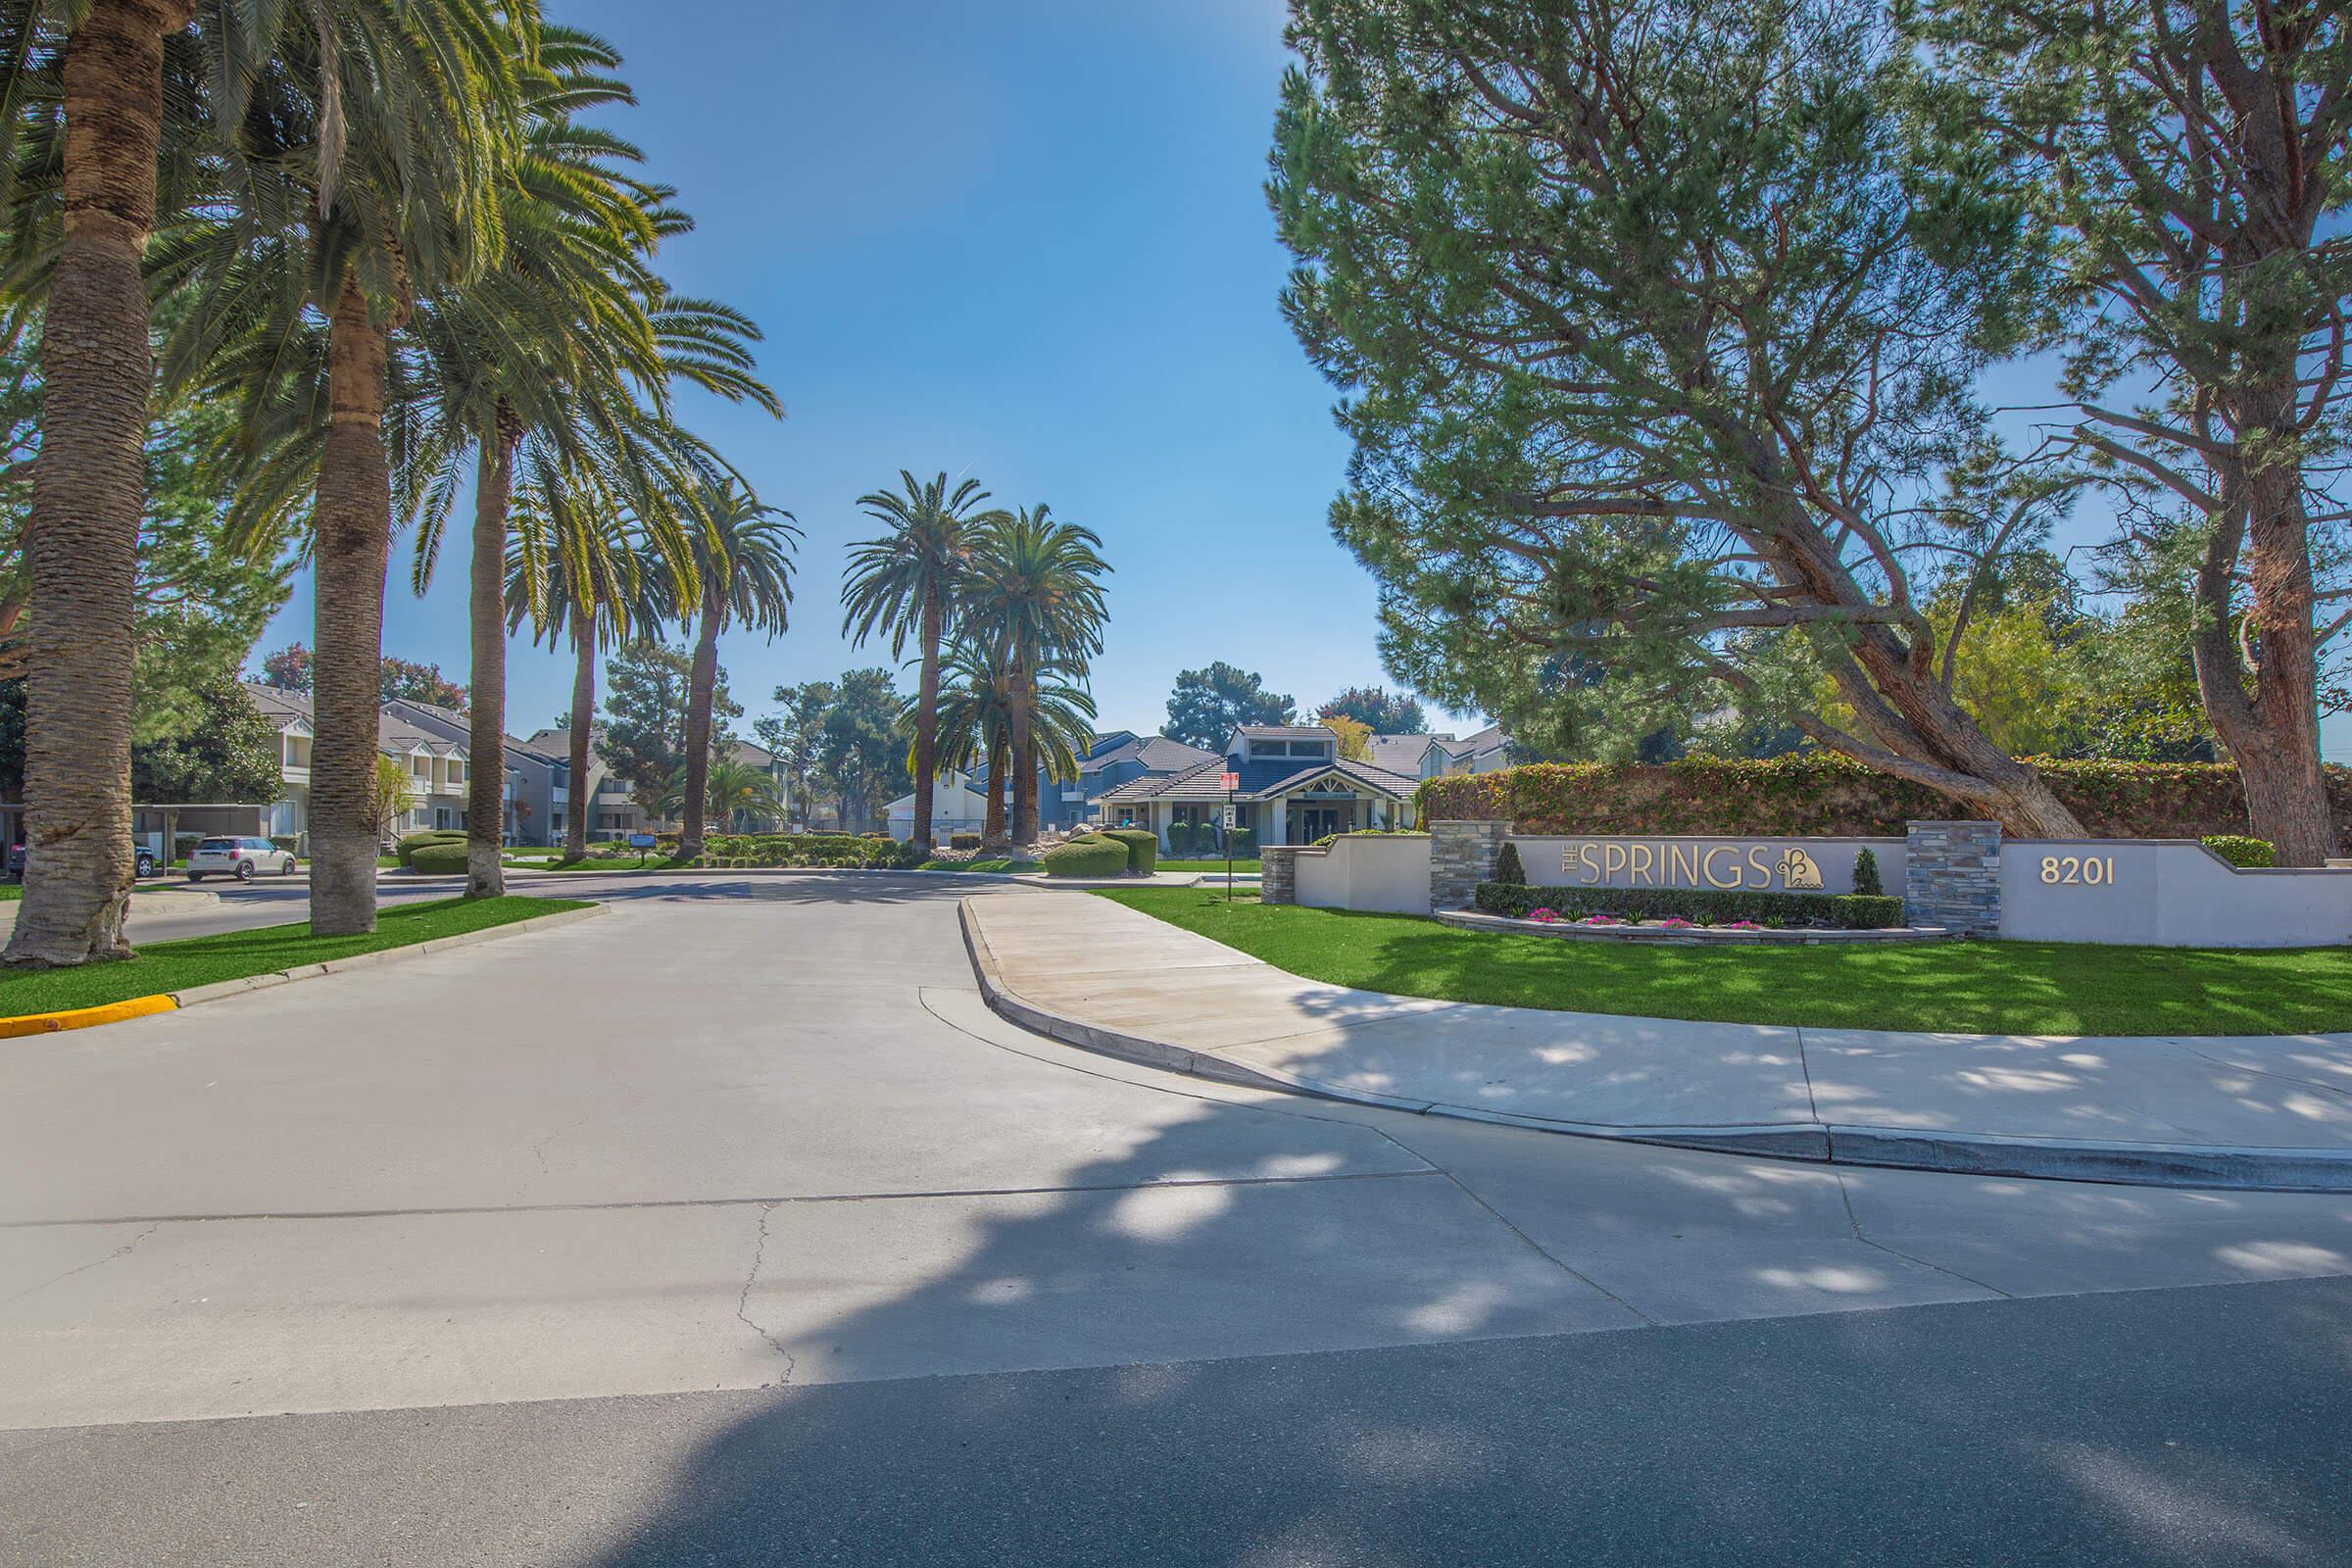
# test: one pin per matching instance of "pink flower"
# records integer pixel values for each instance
(1675, 922)
(1598, 919)
(1544, 914)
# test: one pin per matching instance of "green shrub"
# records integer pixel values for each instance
(288, 843)
(1866, 875)
(1816, 794)
(1090, 856)
(2239, 851)
(1245, 843)
(1142, 848)
(1507, 870)
(1714, 905)
(441, 857)
(183, 843)
(410, 842)
(1180, 840)
(963, 841)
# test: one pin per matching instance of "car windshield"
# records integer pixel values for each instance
(216, 845)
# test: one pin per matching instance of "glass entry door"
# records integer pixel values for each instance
(1319, 821)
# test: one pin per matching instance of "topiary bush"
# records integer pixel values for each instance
(410, 842)
(1090, 856)
(1180, 840)
(1848, 912)
(1866, 875)
(1142, 848)
(1245, 843)
(2247, 854)
(963, 841)
(1507, 870)
(441, 857)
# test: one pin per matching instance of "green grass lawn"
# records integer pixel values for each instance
(1241, 864)
(2031, 987)
(994, 863)
(235, 955)
(10, 891)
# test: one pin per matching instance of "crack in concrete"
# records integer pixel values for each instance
(2338, 1091)
(1854, 1223)
(743, 1302)
(120, 1252)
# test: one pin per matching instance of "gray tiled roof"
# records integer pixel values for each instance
(1157, 754)
(1400, 754)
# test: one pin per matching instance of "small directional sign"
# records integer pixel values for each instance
(1229, 781)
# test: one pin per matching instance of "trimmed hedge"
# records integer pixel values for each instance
(438, 858)
(963, 841)
(1245, 843)
(1849, 911)
(1822, 795)
(410, 842)
(1093, 855)
(2249, 854)
(1142, 846)
(1180, 840)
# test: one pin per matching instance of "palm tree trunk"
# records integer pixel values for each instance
(88, 491)
(926, 718)
(576, 801)
(1024, 766)
(702, 686)
(486, 762)
(991, 827)
(352, 524)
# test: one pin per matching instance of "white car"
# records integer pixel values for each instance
(242, 858)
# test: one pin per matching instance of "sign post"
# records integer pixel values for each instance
(1230, 783)
(641, 842)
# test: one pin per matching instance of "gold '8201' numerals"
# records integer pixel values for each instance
(2079, 870)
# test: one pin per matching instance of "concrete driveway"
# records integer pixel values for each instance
(751, 1133)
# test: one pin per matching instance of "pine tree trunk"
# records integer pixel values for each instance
(486, 612)
(583, 715)
(704, 683)
(2272, 730)
(926, 719)
(351, 526)
(88, 493)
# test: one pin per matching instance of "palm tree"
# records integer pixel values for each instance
(1035, 598)
(107, 59)
(909, 581)
(743, 562)
(592, 591)
(741, 796)
(558, 362)
(974, 731)
(369, 171)
(978, 700)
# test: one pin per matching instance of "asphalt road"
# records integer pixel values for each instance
(731, 1227)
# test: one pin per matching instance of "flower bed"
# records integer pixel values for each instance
(1733, 933)
(1696, 908)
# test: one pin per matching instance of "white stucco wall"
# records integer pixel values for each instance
(1674, 861)
(2166, 893)
(1387, 873)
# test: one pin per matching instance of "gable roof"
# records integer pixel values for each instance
(1402, 754)
(1157, 754)
(1262, 779)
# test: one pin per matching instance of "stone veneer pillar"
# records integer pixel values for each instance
(1462, 856)
(1278, 873)
(1952, 876)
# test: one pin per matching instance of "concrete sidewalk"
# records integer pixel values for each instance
(2239, 1111)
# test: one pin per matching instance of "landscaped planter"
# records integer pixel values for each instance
(1690, 936)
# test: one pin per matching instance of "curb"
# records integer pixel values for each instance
(38, 1024)
(2234, 1168)
(49, 1023)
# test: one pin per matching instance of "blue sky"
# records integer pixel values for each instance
(1025, 241)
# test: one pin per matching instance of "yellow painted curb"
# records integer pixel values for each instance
(49, 1023)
